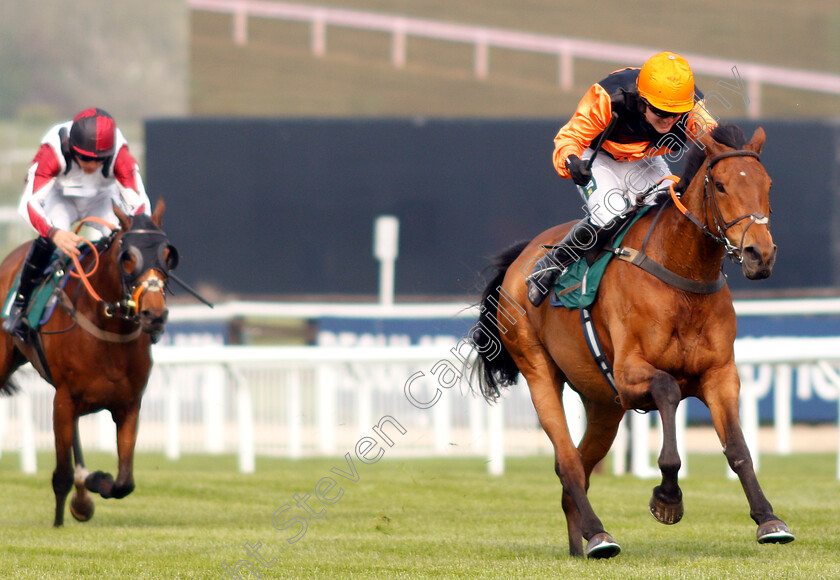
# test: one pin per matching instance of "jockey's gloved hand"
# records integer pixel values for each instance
(580, 173)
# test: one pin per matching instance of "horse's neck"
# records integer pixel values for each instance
(681, 246)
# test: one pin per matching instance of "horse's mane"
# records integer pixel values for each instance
(729, 135)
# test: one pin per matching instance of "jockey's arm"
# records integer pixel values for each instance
(130, 184)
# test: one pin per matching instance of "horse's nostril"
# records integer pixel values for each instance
(752, 254)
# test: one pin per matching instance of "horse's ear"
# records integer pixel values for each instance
(711, 146)
(125, 221)
(157, 216)
(757, 141)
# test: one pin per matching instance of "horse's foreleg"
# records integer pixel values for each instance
(63, 424)
(103, 483)
(666, 505)
(725, 417)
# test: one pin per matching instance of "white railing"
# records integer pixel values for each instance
(483, 38)
(311, 401)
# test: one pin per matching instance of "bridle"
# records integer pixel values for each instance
(710, 204)
(149, 248)
(148, 257)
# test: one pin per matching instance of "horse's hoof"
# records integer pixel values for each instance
(81, 507)
(666, 513)
(774, 532)
(602, 546)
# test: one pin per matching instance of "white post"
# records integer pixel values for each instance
(682, 420)
(327, 377)
(386, 236)
(482, 58)
(782, 413)
(496, 438)
(240, 27)
(245, 416)
(4, 418)
(441, 419)
(619, 448)
(295, 409)
(213, 388)
(575, 413)
(640, 446)
(319, 35)
(106, 431)
(173, 414)
(477, 408)
(398, 43)
(28, 458)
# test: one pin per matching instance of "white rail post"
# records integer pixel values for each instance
(575, 413)
(295, 411)
(28, 457)
(240, 26)
(782, 412)
(173, 413)
(213, 402)
(386, 241)
(319, 35)
(619, 448)
(477, 411)
(327, 379)
(496, 438)
(482, 58)
(441, 419)
(567, 71)
(640, 446)
(398, 45)
(4, 419)
(245, 418)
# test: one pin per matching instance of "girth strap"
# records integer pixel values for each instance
(595, 348)
(656, 269)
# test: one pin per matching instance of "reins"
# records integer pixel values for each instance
(109, 309)
(80, 271)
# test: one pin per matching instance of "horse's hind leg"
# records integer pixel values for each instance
(81, 506)
(546, 394)
(63, 423)
(666, 504)
(601, 426)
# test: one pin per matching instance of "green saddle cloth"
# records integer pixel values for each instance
(43, 299)
(578, 287)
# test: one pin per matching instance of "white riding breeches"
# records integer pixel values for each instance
(616, 185)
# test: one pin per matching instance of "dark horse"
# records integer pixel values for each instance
(95, 349)
(664, 343)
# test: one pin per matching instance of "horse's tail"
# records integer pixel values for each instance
(495, 367)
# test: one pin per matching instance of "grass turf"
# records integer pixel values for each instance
(411, 518)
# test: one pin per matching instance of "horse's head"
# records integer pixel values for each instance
(145, 258)
(737, 197)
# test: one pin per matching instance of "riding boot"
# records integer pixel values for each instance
(582, 238)
(31, 275)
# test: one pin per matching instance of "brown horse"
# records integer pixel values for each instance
(664, 343)
(95, 349)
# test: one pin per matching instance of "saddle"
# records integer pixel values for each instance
(577, 288)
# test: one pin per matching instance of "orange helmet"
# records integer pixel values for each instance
(667, 83)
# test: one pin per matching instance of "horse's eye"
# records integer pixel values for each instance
(127, 262)
(719, 187)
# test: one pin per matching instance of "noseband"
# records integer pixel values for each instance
(710, 203)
